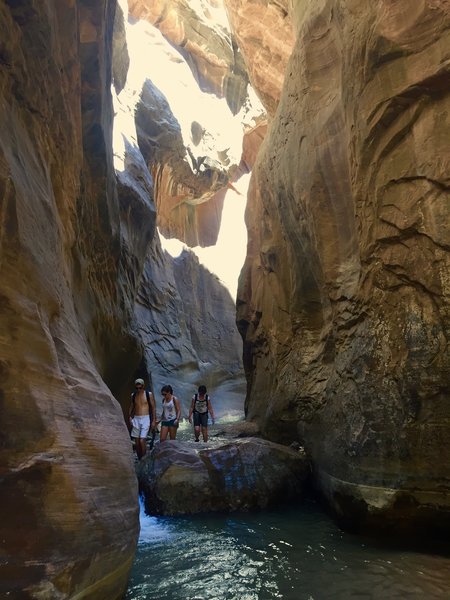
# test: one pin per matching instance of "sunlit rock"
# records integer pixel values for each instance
(253, 138)
(344, 299)
(265, 36)
(177, 478)
(183, 181)
(191, 141)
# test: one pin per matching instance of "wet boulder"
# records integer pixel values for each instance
(178, 478)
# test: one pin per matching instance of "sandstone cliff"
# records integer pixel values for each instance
(186, 320)
(69, 515)
(184, 317)
(201, 33)
(75, 240)
(344, 299)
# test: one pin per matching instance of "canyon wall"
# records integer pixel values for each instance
(184, 316)
(201, 34)
(186, 320)
(343, 303)
(77, 244)
(69, 511)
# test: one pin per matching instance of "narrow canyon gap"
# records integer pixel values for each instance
(343, 302)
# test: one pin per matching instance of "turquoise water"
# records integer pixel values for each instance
(294, 554)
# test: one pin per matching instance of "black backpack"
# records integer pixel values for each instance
(205, 400)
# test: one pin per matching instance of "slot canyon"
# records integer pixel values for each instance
(336, 116)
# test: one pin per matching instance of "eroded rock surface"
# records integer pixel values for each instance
(264, 33)
(189, 190)
(191, 141)
(68, 510)
(200, 31)
(186, 320)
(344, 299)
(242, 475)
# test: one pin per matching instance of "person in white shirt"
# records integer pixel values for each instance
(171, 413)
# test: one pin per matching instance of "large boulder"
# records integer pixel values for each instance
(177, 478)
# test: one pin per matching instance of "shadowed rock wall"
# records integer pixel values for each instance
(69, 513)
(187, 324)
(344, 300)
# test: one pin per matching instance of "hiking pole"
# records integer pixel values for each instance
(152, 439)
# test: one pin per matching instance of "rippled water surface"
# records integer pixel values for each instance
(295, 554)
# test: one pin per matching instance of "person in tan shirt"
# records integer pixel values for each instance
(142, 416)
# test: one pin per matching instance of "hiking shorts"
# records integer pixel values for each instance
(140, 426)
(200, 419)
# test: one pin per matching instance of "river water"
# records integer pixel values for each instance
(292, 553)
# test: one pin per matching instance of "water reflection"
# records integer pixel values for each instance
(295, 554)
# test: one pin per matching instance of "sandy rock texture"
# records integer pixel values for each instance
(177, 478)
(264, 33)
(189, 191)
(200, 31)
(344, 299)
(186, 320)
(68, 510)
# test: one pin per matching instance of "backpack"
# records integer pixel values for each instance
(147, 395)
(205, 402)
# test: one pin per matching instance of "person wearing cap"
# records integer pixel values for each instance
(142, 416)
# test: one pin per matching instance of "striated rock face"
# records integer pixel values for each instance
(200, 32)
(184, 317)
(186, 320)
(264, 33)
(191, 141)
(344, 299)
(68, 511)
(189, 193)
(246, 474)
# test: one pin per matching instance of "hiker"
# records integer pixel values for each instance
(200, 407)
(141, 416)
(171, 413)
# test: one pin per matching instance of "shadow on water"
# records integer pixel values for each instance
(294, 553)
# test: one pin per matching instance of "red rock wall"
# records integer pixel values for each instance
(263, 30)
(68, 511)
(206, 44)
(344, 298)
